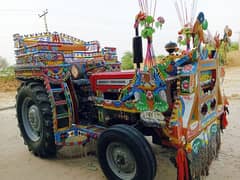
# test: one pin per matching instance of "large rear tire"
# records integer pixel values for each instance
(34, 114)
(124, 154)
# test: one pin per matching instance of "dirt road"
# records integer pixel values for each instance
(16, 163)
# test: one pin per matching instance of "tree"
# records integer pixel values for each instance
(127, 61)
(3, 63)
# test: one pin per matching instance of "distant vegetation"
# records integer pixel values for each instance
(7, 73)
(224, 49)
(234, 46)
(3, 63)
(7, 79)
(231, 47)
(127, 61)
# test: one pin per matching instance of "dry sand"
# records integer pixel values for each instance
(8, 85)
(16, 163)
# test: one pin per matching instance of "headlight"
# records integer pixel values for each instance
(75, 71)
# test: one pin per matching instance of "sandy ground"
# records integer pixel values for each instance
(16, 163)
(7, 85)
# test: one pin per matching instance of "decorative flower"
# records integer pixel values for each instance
(141, 16)
(161, 20)
(149, 95)
(185, 84)
(201, 17)
(188, 68)
(149, 20)
(180, 38)
(147, 32)
(227, 31)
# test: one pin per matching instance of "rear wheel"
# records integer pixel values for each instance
(125, 154)
(34, 116)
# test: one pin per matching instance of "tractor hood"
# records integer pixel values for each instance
(110, 81)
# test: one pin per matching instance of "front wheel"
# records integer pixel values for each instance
(124, 154)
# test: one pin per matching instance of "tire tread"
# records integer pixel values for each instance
(46, 147)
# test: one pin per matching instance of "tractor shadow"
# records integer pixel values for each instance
(85, 158)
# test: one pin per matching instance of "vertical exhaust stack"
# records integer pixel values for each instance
(137, 50)
(137, 45)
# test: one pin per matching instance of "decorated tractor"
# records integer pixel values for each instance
(74, 93)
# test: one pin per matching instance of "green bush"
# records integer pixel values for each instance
(127, 61)
(7, 73)
(233, 46)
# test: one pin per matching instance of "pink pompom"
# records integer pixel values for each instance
(161, 20)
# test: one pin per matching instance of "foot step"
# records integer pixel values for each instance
(57, 90)
(60, 102)
(62, 116)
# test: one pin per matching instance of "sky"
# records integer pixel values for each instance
(109, 21)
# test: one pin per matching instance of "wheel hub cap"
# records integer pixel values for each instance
(121, 161)
(34, 118)
(31, 119)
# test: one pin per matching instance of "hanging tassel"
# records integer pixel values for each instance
(225, 100)
(150, 57)
(182, 165)
(224, 121)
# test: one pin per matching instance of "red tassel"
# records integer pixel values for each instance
(182, 165)
(225, 100)
(224, 120)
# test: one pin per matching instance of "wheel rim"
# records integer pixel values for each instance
(121, 161)
(31, 119)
